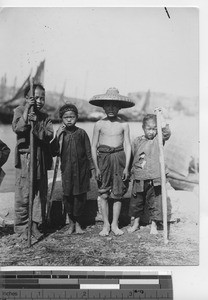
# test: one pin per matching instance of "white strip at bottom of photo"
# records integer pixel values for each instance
(139, 281)
(99, 286)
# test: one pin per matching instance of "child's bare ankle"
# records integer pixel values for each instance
(153, 229)
(105, 231)
(116, 230)
(78, 229)
(133, 228)
(71, 228)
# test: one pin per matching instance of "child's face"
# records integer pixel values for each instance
(111, 109)
(39, 96)
(150, 129)
(69, 118)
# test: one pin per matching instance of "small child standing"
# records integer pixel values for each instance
(76, 165)
(146, 174)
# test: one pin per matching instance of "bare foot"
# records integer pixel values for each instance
(105, 231)
(116, 230)
(71, 229)
(135, 225)
(98, 218)
(35, 232)
(133, 228)
(22, 236)
(78, 229)
(153, 228)
(153, 231)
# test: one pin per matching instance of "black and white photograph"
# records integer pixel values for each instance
(99, 136)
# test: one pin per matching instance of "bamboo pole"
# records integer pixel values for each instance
(50, 199)
(163, 176)
(52, 189)
(31, 176)
(2, 222)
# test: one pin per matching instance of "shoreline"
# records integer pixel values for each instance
(184, 204)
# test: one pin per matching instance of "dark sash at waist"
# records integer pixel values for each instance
(108, 149)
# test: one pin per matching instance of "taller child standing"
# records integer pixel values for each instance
(111, 152)
(43, 134)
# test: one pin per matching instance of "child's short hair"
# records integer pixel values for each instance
(149, 117)
(68, 107)
(37, 85)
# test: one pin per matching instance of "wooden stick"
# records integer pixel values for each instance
(52, 189)
(2, 222)
(163, 176)
(32, 165)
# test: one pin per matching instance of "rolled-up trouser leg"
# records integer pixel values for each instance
(21, 206)
(40, 199)
(136, 206)
(154, 202)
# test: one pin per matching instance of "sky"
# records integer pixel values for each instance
(91, 49)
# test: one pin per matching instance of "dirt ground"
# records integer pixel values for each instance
(58, 248)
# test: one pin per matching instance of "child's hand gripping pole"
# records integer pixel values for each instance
(32, 166)
(162, 170)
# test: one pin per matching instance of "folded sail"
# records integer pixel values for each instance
(19, 96)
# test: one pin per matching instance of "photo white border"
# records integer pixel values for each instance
(188, 282)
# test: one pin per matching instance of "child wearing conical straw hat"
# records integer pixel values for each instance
(111, 152)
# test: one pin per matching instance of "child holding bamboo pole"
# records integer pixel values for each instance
(43, 134)
(146, 174)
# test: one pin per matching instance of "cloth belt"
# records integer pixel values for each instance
(21, 151)
(107, 149)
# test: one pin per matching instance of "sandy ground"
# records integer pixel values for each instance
(58, 248)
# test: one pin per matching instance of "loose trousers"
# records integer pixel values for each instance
(21, 206)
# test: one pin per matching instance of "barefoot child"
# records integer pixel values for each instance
(76, 165)
(146, 174)
(43, 134)
(111, 152)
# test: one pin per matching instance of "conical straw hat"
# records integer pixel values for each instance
(112, 94)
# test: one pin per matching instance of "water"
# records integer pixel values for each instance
(181, 127)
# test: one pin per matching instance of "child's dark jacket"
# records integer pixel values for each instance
(76, 161)
(4, 153)
(43, 133)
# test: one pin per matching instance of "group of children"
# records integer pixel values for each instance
(108, 159)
